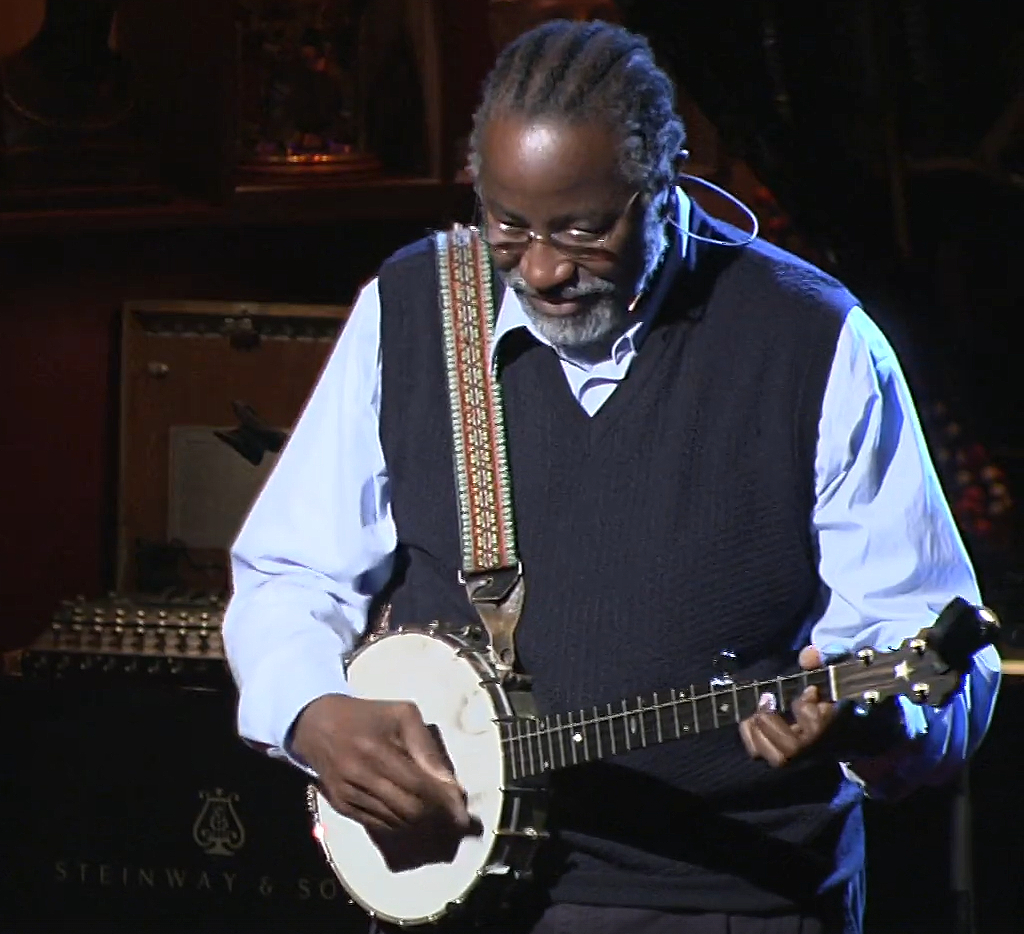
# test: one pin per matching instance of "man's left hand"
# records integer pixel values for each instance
(767, 735)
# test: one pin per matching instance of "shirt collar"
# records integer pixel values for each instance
(511, 315)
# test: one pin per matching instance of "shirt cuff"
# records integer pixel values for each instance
(876, 774)
(287, 682)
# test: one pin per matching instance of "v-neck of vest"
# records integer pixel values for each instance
(620, 403)
(693, 281)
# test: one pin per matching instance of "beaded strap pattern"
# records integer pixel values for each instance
(474, 394)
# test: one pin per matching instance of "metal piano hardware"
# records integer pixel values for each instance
(174, 637)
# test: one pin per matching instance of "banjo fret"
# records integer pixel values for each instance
(507, 730)
(529, 746)
(756, 689)
(561, 740)
(551, 747)
(506, 727)
(519, 748)
(543, 762)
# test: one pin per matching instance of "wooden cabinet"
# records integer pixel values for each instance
(182, 153)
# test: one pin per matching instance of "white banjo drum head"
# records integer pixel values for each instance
(428, 671)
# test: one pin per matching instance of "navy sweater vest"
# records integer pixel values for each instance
(670, 526)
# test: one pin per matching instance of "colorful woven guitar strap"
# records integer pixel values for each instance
(491, 570)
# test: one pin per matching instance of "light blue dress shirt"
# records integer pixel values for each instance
(319, 541)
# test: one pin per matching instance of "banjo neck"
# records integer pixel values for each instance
(535, 745)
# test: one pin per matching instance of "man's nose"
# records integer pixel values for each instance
(544, 268)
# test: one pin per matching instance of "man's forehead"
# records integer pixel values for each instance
(550, 159)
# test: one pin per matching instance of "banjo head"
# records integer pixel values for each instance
(452, 694)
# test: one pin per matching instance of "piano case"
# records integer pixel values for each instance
(127, 801)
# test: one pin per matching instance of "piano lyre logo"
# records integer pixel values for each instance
(218, 831)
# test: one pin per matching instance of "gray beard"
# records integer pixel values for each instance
(589, 335)
(586, 335)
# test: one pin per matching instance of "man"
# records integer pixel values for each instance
(711, 448)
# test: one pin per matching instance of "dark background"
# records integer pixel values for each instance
(864, 119)
(883, 129)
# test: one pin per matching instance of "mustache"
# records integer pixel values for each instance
(568, 293)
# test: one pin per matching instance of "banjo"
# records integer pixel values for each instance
(464, 681)
(498, 754)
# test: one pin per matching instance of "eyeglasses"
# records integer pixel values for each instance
(509, 243)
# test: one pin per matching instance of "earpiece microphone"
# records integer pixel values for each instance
(684, 155)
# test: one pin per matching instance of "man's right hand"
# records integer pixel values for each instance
(379, 765)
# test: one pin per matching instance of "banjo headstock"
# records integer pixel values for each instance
(927, 669)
